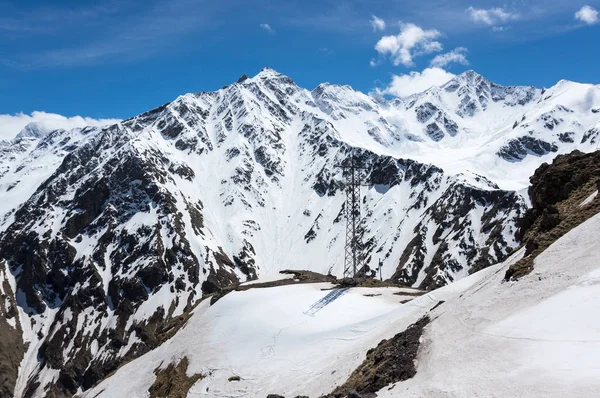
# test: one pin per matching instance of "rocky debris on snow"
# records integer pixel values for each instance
(415, 293)
(556, 192)
(365, 282)
(299, 276)
(393, 360)
(173, 381)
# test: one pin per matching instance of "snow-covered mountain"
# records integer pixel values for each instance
(108, 234)
(33, 130)
(483, 337)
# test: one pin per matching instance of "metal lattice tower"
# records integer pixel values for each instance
(353, 259)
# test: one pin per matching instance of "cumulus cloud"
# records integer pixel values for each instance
(492, 16)
(458, 55)
(377, 23)
(415, 82)
(267, 27)
(587, 14)
(11, 125)
(412, 41)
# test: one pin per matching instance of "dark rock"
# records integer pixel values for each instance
(434, 132)
(12, 347)
(449, 213)
(530, 247)
(566, 137)
(173, 381)
(450, 126)
(153, 276)
(591, 135)
(390, 362)
(553, 183)
(548, 220)
(426, 112)
(555, 192)
(517, 149)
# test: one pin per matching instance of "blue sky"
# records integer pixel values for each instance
(120, 58)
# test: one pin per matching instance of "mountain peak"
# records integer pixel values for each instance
(33, 130)
(334, 87)
(272, 78)
(471, 76)
(268, 72)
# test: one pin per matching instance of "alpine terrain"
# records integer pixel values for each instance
(111, 236)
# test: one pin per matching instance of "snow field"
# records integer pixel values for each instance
(538, 337)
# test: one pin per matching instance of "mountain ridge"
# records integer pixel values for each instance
(110, 233)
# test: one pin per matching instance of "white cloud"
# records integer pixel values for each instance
(377, 23)
(587, 14)
(458, 55)
(267, 27)
(415, 82)
(409, 43)
(11, 125)
(492, 16)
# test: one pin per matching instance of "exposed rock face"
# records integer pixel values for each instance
(109, 235)
(477, 93)
(12, 347)
(173, 381)
(391, 361)
(558, 195)
(518, 149)
(448, 224)
(98, 264)
(591, 136)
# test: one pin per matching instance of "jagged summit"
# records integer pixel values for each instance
(268, 69)
(470, 76)
(33, 130)
(473, 78)
(242, 78)
(268, 73)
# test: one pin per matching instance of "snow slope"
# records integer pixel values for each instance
(265, 337)
(538, 337)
